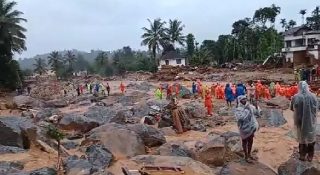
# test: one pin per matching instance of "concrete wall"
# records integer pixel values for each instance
(173, 62)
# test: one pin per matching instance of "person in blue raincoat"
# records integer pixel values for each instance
(194, 88)
(228, 95)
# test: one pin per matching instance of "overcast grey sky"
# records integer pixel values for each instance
(112, 24)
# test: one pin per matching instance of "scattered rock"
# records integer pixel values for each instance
(45, 113)
(168, 131)
(17, 132)
(295, 166)
(225, 111)
(113, 136)
(185, 92)
(233, 142)
(279, 101)
(213, 152)
(27, 114)
(77, 123)
(198, 126)
(272, 118)
(241, 168)
(99, 156)
(194, 110)
(10, 167)
(150, 135)
(176, 148)
(10, 149)
(100, 114)
(124, 117)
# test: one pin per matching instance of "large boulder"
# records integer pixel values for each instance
(27, 101)
(150, 135)
(76, 166)
(213, 152)
(57, 103)
(294, 167)
(194, 110)
(101, 114)
(243, 168)
(10, 167)
(99, 156)
(279, 101)
(185, 92)
(175, 148)
(77, 123)
(272, 118)
(17, 132)
(188, 165)
(233, 142)
(113, 136)
(124, 117)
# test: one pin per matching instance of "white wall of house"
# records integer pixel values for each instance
(173, 62)
(289, 57)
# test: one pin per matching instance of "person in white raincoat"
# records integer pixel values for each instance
(305, 104)
(246, 114)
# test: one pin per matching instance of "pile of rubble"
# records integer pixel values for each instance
(47, 90)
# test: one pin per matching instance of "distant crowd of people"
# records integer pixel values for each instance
(307, 74)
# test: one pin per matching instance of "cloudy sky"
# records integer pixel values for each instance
(112, 24)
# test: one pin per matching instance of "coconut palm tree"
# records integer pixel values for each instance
(55, 61)
(154, 36)
(40, 66)
(283, 23)
(70, 58)
(175, 32)
(12, 38)
(291, 24)
(302, 13)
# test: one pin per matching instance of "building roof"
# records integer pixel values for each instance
(294, 30)
(170, 55)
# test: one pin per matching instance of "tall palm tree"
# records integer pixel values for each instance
(302, 13)
(154, 36)
(175, 32)
(12, 38)
(291, 24)
(40, 66)
(283, 23)
(70, 59)
(55, 61)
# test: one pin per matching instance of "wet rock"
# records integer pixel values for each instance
(194, 110)
(10, 167)
(233, 142)
(198, 126)
(160, 103)
(239, 168)
(166, 121)
(10, 149)
(124, 117)
(17, 132)
(225, 111)
(150, 135)
(189, 165)
(176, 148)
(272, 118)
(77, 123)
(213, 152)
(45, 113)
(295, 166)
(44, 171)
(74, 165)
(59, 103)
(141, 109)
(279, 101)
(69, 144)
(113, 136)
(100, 114)
(99, 156)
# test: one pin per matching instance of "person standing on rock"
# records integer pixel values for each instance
(228, 95)
(194, 88)
(122, 88)
(208, 103)
(305, 105)
(245, 114)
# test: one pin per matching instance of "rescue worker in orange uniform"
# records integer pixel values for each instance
(277, 88)
(208, 102)
(267, 94)
(122, 88)
(259, 89)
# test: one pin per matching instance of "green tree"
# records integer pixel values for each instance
(40, 66)
(302, 13)
(154, 36)
(56, 63)
(283, 23)
(291, 24)
(101, 62)
(70, 58)
(263, 15)
(12, 40)
(54, 133)
(314, 20)
(190, 45)
(175, 32)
